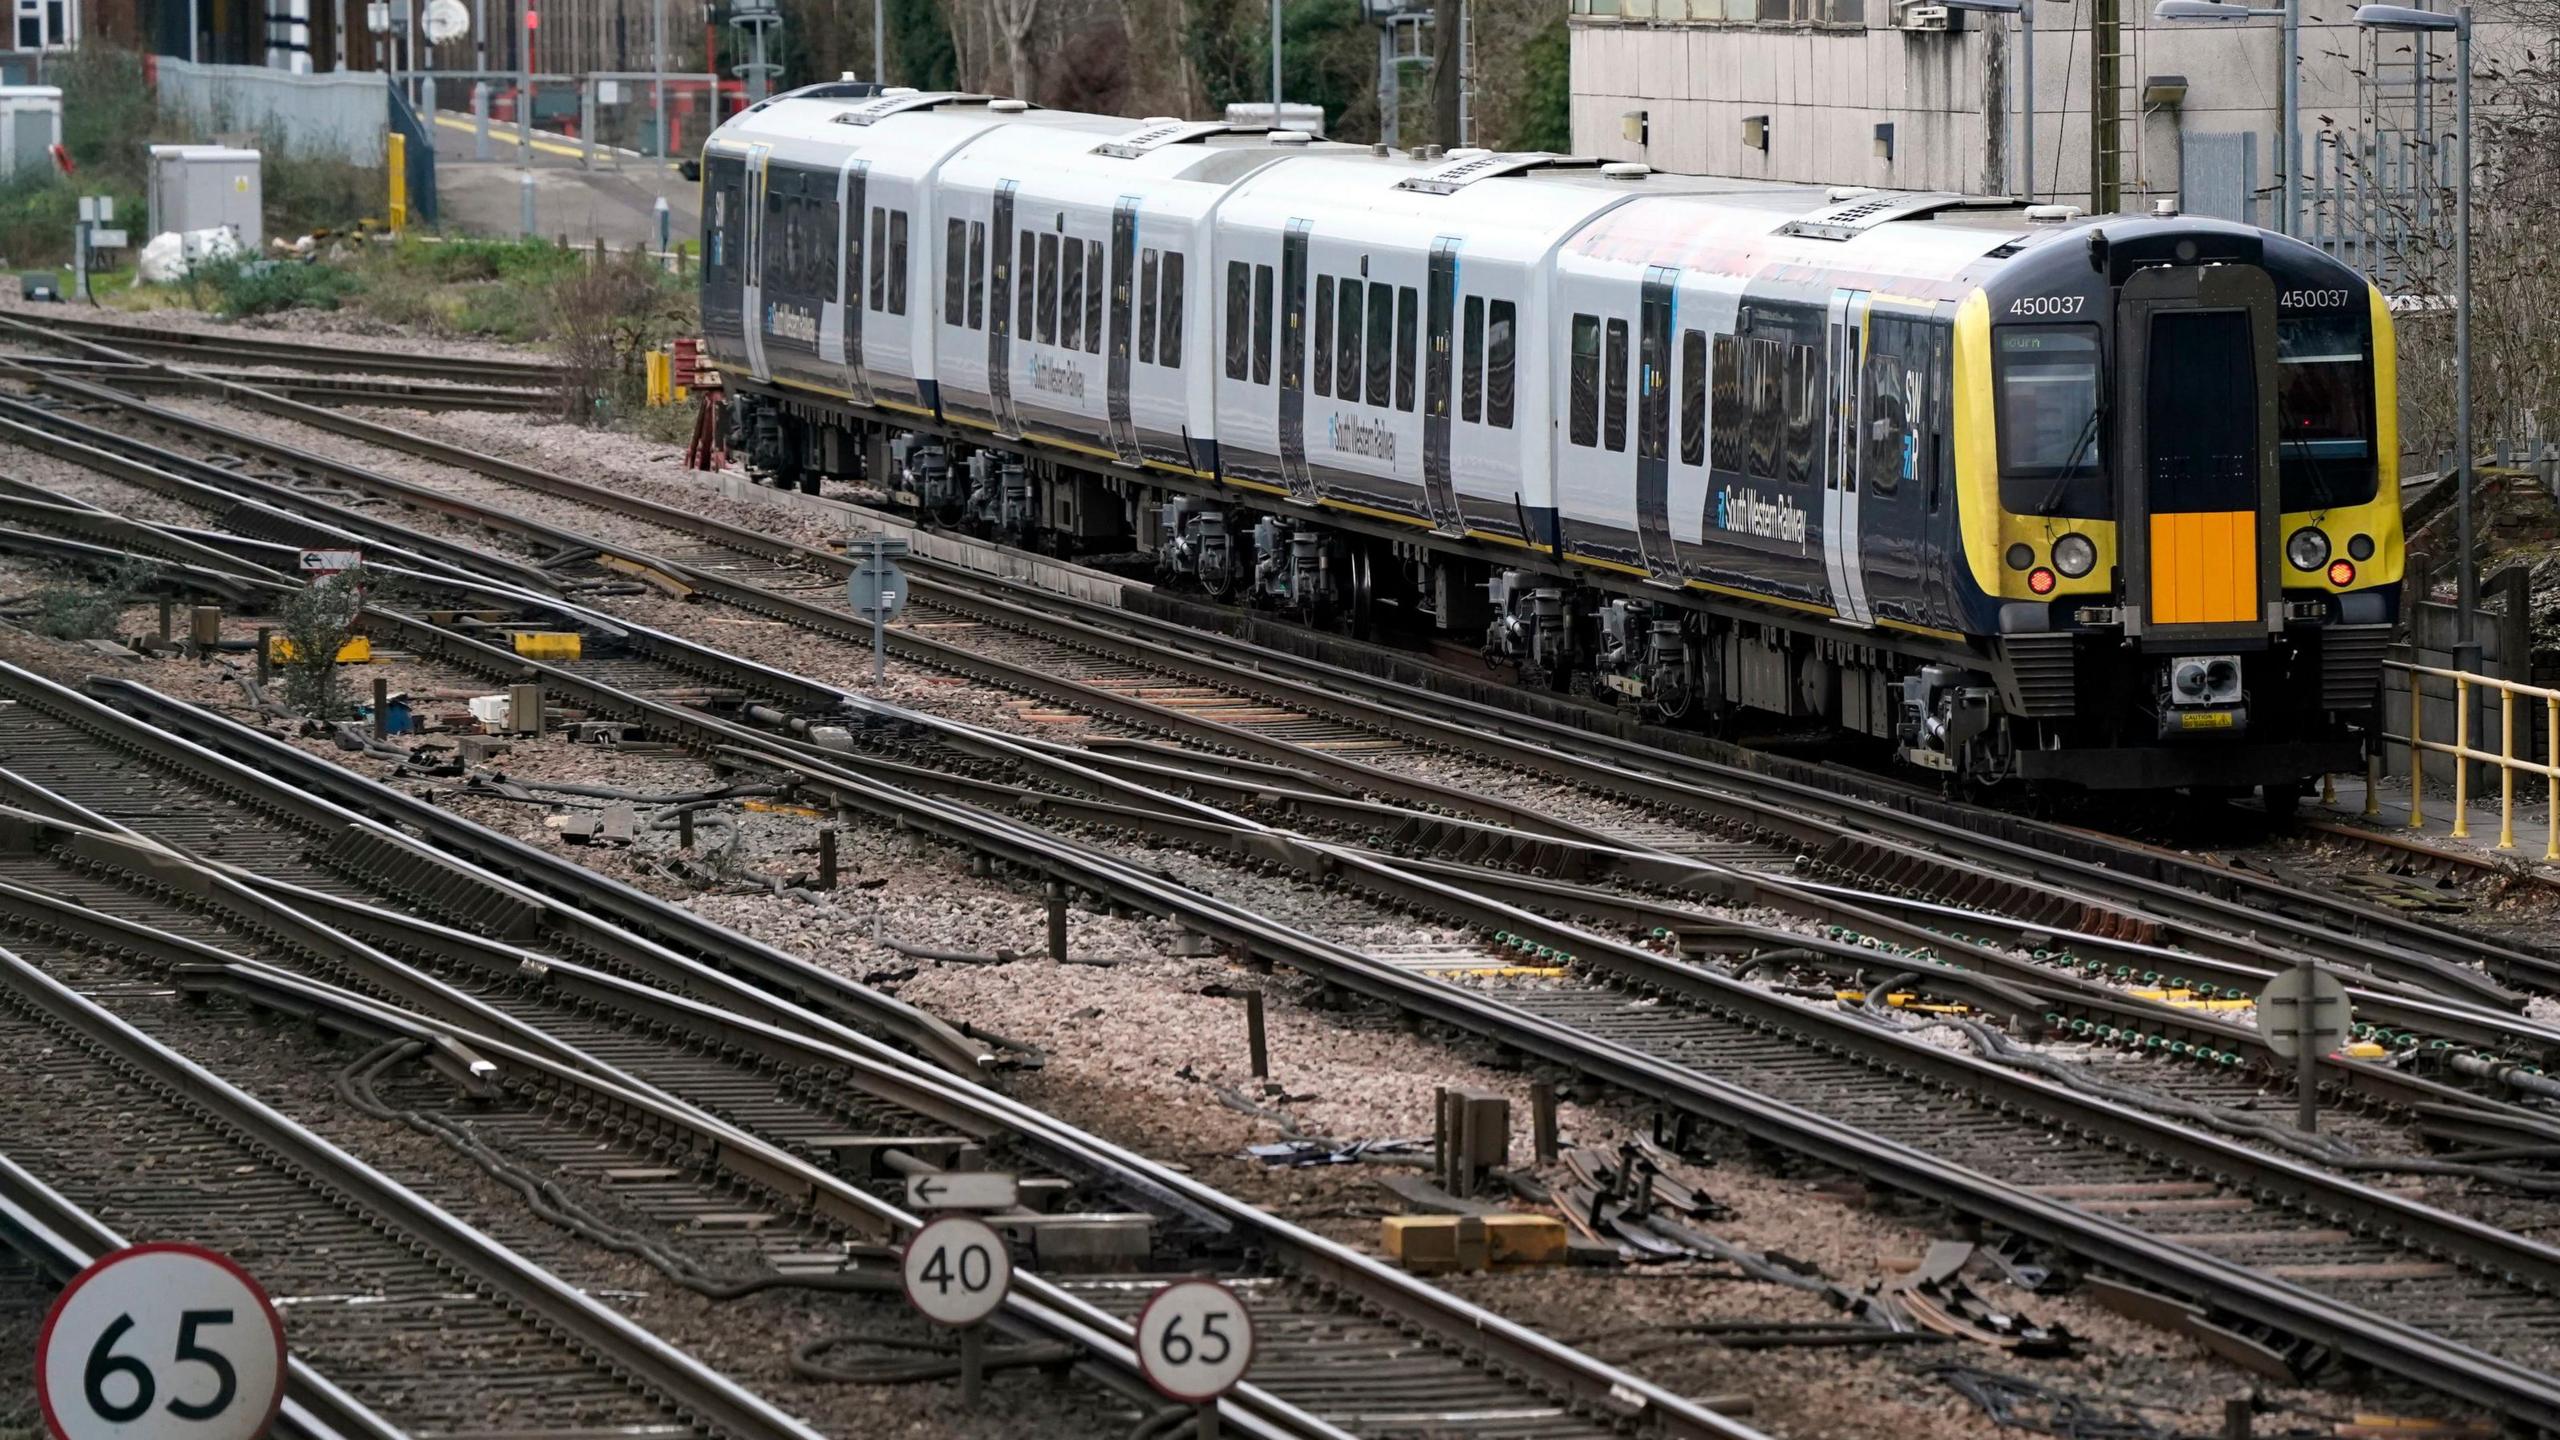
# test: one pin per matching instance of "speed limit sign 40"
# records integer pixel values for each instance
(159, 1342)
(957, 1271)
(1195, 1341)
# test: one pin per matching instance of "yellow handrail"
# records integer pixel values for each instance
(2464, 755)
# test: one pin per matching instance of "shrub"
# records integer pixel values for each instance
(85, 609)
(242, 286)
(317, 621)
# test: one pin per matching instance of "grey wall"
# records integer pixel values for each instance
(346, 115)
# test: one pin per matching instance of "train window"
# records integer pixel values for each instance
(1093, 297)
(776, 239)
(1767, 375)
(1693, 397)
(1729, 413)
(1382, 320)
(1407, 325)
(1804, 409)
(1324, 335)
(1892, 435)
(1239, 318)
(955, 279)
(2047, 377)
(1261, 324)
(1614, 375)
(1471, 366)
(1347, 377)
(1653, 385)
(1047, 318)
(977, 274)
(1026, 285)
(897, 262)
(2324, 409)
(1437, 362)
(879, 257)
(1071, 287)
(2200, 431)
(1147, 267)
(1941, 440)
(1586, 380)
(1169, 344)
(1502, 328)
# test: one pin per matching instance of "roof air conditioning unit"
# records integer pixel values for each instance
(1925, 17)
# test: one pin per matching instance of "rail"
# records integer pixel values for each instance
(2465, 754)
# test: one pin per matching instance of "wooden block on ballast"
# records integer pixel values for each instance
(1517, 1242)
(1435, 1244)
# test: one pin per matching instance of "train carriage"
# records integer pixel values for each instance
(2101, 501)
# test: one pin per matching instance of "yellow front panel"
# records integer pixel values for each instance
(2204, 568)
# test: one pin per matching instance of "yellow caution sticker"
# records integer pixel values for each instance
(2205, 720)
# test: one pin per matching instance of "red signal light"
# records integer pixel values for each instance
(2040, 580)
(2342, 573)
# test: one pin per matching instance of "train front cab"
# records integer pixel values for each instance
(2183, 513)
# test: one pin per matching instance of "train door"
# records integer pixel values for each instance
(1001, 276)
(1439, 354)
(1293, 363)
(2196, 452)
(753, 294)
(857, 209)
(1124, 264)
(1653, 425)
(1843, 559)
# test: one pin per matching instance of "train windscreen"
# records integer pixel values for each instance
(2324, 404)
(2201, 420)
(2050, 458)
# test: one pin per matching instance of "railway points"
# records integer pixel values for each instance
(1302, 952)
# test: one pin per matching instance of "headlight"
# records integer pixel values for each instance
(2308, 549)
(2074, 555)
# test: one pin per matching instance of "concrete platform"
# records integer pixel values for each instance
(610, 196)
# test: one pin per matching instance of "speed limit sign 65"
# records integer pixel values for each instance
(1195, 1341)
(956, 1271)
(159, 1342)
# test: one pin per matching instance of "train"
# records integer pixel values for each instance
(2031, 497)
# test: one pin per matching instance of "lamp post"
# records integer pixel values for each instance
(2404, 19)
(2291, 13)
(2025, 11)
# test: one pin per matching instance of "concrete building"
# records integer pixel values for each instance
(1910, 95)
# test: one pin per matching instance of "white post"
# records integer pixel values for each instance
(658, 73)
(1275, 64)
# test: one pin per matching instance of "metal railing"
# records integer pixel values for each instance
(2465, 754)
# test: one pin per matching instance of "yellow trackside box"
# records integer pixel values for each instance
(358, 651)
(1513, 1242)
(546, 645)
(1435, 1244)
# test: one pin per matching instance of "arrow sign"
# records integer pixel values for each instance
(963, 1190)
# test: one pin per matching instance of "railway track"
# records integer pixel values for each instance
(1684, 1076)
(381, 1284)
(328, 356)
(319, 389)
(55, 1239)
(790, 1081)
(1158, 678)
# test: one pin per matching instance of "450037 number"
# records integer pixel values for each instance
(2048, 304)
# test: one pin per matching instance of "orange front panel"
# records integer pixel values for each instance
(2204, 568)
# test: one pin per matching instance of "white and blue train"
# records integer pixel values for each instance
(2109, 502)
